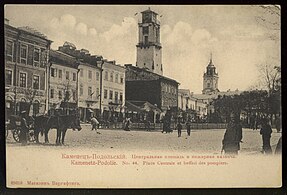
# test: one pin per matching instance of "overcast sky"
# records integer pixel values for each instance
(239, 37)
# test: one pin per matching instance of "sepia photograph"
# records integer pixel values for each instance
(143, 96)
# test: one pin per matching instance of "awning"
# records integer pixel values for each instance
(129, 107)
(68, 105)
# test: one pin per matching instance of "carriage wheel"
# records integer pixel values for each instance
(31, 136)
(16, 135)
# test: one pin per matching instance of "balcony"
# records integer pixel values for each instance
(27, 91)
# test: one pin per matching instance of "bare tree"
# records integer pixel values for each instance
(67, 92)
(269, 16)
(269, 75)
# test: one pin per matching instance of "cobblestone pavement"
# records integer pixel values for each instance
(202, 140)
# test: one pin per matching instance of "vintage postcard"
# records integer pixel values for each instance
(143, 96)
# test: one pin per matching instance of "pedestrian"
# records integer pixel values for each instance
(266, 132)
(164, 127)
(278, 124)
(24, 128)
(179, 127)
(127, 124)
(278, 149)
(188, 126)
(232, 136)
(147, 123)
(95, 123)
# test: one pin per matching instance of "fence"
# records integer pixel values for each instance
(159, 126)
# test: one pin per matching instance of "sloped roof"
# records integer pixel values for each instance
(185, 92)
(143, 104)
(134, 68)
(133, 108)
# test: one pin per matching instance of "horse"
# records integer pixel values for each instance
(42, 126)
(61, 123)
(65, 122)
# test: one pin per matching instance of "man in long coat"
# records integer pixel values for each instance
(232, 136)
(266, 131)
(24, 128)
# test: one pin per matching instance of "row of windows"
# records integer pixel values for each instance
(90, 91)
(26, 53)
(90, 74)
(22, 79)
(113, 95)
(67, 95)
(59, 73)
(169, 89)
(112, 78)
(117, 96)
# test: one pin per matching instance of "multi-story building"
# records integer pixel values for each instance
(113, 89)
(26, 57)
(63, 79)
(145, 81)
(184, 99)
(143, 85)
(101, 86)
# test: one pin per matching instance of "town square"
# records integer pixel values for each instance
(149, 78)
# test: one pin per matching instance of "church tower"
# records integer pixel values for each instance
(149, 53)
(210, 79)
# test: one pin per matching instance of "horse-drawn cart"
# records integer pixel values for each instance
(14, 125)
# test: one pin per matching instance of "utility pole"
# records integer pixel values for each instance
(15, 74)
(77, 85)
(101, 83)
(48, 66)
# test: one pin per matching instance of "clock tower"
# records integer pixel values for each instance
(210, 79)
(149, 53)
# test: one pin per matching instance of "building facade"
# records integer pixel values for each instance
(26, 58)
(210, 79)
(63, 79)
(101, 86)
(143, 85)
(113, 89)
(149, 50)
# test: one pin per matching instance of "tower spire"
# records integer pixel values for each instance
(210, 58)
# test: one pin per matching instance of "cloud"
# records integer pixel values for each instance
(186, 53)
(67, 23)
(82, 28)
(128, 25)
(178, 34)
(68, 20)
(200, 35)
(242, 32)
(93, 31)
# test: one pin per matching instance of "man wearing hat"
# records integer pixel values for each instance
(266, 132)
(232, 136)
(24, 128)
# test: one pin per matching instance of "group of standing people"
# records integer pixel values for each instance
(179, 126)
(233, 136)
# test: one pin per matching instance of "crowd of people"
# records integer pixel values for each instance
(230, 143)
